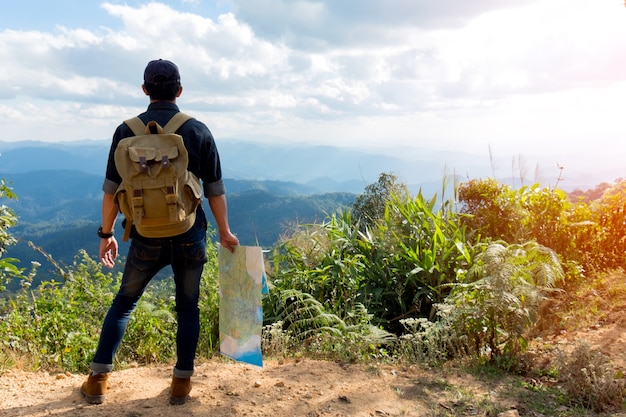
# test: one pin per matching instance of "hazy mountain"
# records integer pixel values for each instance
(320, 168)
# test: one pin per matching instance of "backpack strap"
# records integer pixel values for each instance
(176, 122)
(139, 128)
(136, 125)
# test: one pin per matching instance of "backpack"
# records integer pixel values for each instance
(158, 195)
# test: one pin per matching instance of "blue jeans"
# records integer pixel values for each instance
(186, 254)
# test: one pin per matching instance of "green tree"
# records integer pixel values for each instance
(489, 210)
(8, 219)
(609, 214)
(495, 212)
(369, 207)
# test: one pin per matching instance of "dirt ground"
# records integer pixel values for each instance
(287, 388)
(221, 388)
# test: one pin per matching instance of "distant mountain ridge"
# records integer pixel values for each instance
(88, 156)
(320, 168)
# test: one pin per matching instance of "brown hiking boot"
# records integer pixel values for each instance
(95, 388)
(180, 390)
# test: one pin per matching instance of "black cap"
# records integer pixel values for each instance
(161, 70)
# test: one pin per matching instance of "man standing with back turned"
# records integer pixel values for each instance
(186, 252)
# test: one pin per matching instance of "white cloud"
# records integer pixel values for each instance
(322, 24)
(451, 73)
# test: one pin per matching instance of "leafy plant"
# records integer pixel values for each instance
(303, 324)
(56, 325)
(500, 297)
(325, 262)
(397, 267)
(490, 210)
(609, 237)
(8, 268)
(428, 250)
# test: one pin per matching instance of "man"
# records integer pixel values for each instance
(186, 252)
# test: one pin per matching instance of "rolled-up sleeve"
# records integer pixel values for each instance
(214, 189)
(109, 186)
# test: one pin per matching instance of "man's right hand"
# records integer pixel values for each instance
(229, 241)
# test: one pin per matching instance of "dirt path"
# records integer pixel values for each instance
(294, 388)
(288, 388)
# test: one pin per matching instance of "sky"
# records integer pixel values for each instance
(501, 77)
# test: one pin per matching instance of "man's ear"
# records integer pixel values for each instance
(180, 91)
(143, 87)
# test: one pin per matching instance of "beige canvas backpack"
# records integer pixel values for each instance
(158, 195)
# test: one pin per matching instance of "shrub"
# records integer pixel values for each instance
(590, 380)
(609, 234)
(495, 212)
(500, 300)
(57, 324)
(489, 210)
(8, 267)
(302, 324)
(397, 269)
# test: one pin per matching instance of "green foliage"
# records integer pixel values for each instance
(547, 220)
(489, 310)
(575, 230)
(324, 262)
(499, 299)
(8, 219)
(609, 234)
(428, 251)
(497, 212)
(302, 324)
(489, 210)
(397, 268)
(369, 207)
(57, 324)
(302, 315)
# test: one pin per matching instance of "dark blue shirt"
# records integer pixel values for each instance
(204, 160)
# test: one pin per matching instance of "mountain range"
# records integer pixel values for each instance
(269, 186)
(317, 168)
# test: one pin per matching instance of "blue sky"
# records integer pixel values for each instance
(512, 77)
